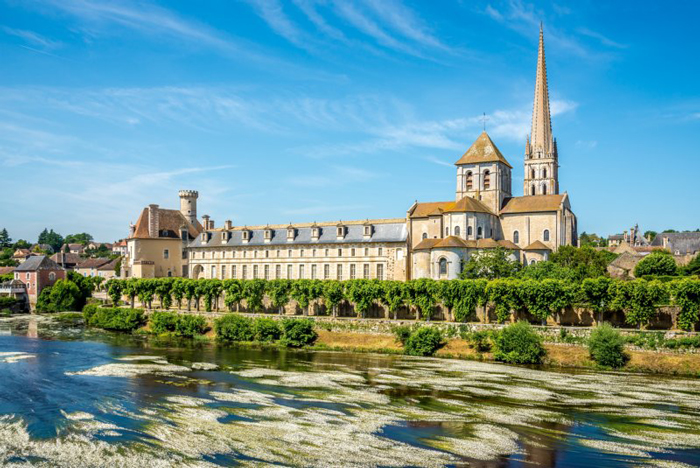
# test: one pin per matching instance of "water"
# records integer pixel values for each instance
(70, 397)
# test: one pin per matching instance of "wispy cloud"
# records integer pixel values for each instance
(602, 39)
(438, 161)
(34, 39)
(273, 13)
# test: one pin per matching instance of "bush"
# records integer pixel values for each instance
(480, 340)
(607, 347)
(190, 325)
(234, 327)
(424, 341)
(402, 332)
(518, 343)
(299, 332)
(266, 329)
(117, 319)
(162, 322)
(89, 310)
(64, 295)
(656, 263)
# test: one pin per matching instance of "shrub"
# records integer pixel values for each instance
(402, 332)
(88, 311)
(424, 341)
(190, 325)
(6, 302)
(480, 340)
(656, 263)
(266, 329)
(163, 322)
(234, 327)
(64, 295)
(299, 332)
(518, 343)
(607, 347)
(117, 319)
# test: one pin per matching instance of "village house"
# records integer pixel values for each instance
(89, 267)
(37, 273)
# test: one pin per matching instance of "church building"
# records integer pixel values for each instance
(432, 241)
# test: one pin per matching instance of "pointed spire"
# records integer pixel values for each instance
(541, 138)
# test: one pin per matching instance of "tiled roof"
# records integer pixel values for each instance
(458, 242)
(683, 242)
(483, 150)
(92, 263)
(108, 266)
(506, 244)
(39, 262)
(65, 258)
(537, 245)
(533, 203)
(169, 224)
(626, 261)
(466, 204)
(6, 270)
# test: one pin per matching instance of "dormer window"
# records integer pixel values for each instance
(184, 235)
(315, 232)
(225, 236)
(268, 234)
(340, 231)
(291, 233)
(367, 230)
(246, 235)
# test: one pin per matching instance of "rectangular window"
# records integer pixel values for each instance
(380, 271)
(365, 273)
(278, 271)
(339, 272)
(380, 251)
(233, 254)
(245, 253)
(213, 271)
(301, 252)
(352, 252)
(366, 252)
(166, 254)
(192, 256)
(301, 271)
(267, 254)
(244, 272)
(255, 272)
(233, 272)
(326, 272)
(353, 273)
(340, 252)
(223, 271)
(313, 271)
(289, 271)
(278, 253)
(267, 272)
(289, 253)
(313, 253)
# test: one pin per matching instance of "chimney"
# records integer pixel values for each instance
(205, 222)
(211, 224)
(228, 224)
(153, 221)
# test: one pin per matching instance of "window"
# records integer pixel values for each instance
(233, 272)
(516, 237)
(267, 272)
(470, 180)
(352, 252)
(233, 254)
(487, 179)
(213, 271)
(532, 190)
(339, 272)
(289, 253)
(545, 235)
(532, 173)
(166, 254)
(244, 272)
(341, 231)
(353, 272)
(255, 272)
(366, 252)
(326, 272)
(368, 231)
(326, 252)
(301, 271)
(457, 231)
(380, 271)
(278, 271)
(366, 271)
(223, 271)
(245, 253)
(425, 235)
(340, 252)
(380, 251)
(267, 254)
(278, 253)
(469, 231)
(289, 271)
(544, 173)
(447, 232)
(479, 232)
(544, 189)
(255, 254)
(313, 253)
(532, 262)
(301, 252)
(313, 271)
(443, 266)
(52, 276)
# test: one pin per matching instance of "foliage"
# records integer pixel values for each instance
(402, 332)
(114, 289)
(89, 310)
(506, 296)
(423, 341)
(278, 292)
(7, 277)
(185, 325)
(593, 240)
(82, 238)
(656, 263)
(363, 293)
(693, 267)
(333, 294)
(234, 327)
(394, 295)
(64, 295)
(638, 299)
(546, 297)
(298, 332)
(422, 294)
(480, 340)
(491, 264)
(7, 301)
(518, 343)
(583, 262)
(254, 291)
(266, 329)
(5, 239)
(85, 285)
(54, 239)
(548, 269)
(686, 294)
(233, 293)
(597, 293)
(607, 347)
(118, 319)
(211, 290)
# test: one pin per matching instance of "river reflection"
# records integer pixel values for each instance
(71, 397)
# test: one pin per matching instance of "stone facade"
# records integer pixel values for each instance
(37, 273)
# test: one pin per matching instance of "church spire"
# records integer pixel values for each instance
(541, 138)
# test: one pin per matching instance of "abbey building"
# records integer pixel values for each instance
(433, 240)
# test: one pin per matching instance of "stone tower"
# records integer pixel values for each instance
(541, 158)
(188, 205)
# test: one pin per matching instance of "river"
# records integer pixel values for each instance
(75, 397)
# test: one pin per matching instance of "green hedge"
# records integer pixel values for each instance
(294, 333)
(185, 325)
(423, 341)
(118, 319)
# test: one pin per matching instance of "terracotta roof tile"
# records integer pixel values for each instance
(534, 203)
(169, 223)
(537, 245)
(466, 204)
(483, 150)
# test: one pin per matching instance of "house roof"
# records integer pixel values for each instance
(22, 253)
(458, 242)
(626, 261)
(537, 245)
(466, 204)
(92, 263)
(108, 266)
(533, 203)
(39, 262)
(483, 150)
(683, 242)
(66, 258)
(169, 224)
(6, 270)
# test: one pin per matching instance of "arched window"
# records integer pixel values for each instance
(425, 235)
(544, 189)
(532, 173)
(479, 232)
(469, 231)
(545, 235)
(487, 179)
(516, 237)
(532, 262)
(443, 266)
(457, 231)
(544, 173)
(52, 276)
(447, 232)
(470, 180)
(532, 190)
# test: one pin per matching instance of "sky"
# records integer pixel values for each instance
(323, 110)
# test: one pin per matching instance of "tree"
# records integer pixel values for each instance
(593, 240)
(333, 294)
(114, 289)
(490, 264)
(394, 296)
(21, 244)
(597, 293)
(278, 292)
(584, 262)
(686, 294)
(692, 268)
(650, 235)
(254, 291)
(5, 240)
(64, 295)
(83, 238)
(659, 263)
(363, 293)
(638, 299)
(422, 294)
(54, 239)
(233, 290)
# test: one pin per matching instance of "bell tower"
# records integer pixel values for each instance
(541, 156)
(188, 205)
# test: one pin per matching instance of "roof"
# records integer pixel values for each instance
(537, 245)
(39, 262)
(108, 266)
(66, 258)
(382, 231)
(466, 204)
(92, 263)
(616, 237)
(626, 261)
(6, 270)
(458, 242)
(169, 224)
(533, 203)
(483, 150)
(22, 253)
(683, 242)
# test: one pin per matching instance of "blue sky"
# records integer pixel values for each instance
(317, 110)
